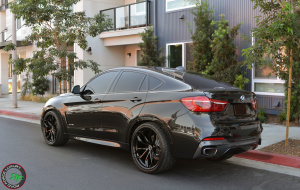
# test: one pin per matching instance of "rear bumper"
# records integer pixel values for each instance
(215, 149)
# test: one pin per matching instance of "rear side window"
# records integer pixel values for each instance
(101, 83)
(154, 83)
(144, 85)
(129, 82)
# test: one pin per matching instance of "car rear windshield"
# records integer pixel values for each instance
(196, 80)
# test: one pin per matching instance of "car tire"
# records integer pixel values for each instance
(52, 129)
(150, 149)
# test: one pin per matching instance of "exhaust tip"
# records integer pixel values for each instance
(210, 151)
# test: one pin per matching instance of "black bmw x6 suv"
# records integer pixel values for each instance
(159, 114)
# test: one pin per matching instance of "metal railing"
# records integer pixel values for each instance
(129, 16)
(3, 35)
(4, 5)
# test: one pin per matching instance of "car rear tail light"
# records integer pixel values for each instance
(213, 139)
(203, 104)
(254, 104)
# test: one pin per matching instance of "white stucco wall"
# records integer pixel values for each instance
(106, 57)
(132, 60)
(21, 33)
(4, 72)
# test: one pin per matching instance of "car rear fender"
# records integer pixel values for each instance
(144, 119)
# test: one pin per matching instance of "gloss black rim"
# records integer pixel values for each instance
(147, 148)
(50, 128)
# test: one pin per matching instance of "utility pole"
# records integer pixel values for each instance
(14, 57)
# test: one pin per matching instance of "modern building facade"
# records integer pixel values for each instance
(119, 45)
(175, 37)
(6, 38)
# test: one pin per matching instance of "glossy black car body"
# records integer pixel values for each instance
(110, 107)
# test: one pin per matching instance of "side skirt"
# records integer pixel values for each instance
(101, 142)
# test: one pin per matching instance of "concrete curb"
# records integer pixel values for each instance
(272, 158)
(21, 115)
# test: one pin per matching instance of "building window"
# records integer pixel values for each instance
(138, 57)
(178, 54)
(140, 8)
(175, 55)
(265, 81)
(19, 23)
(179, 4)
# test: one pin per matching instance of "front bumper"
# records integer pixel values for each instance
(216, 149)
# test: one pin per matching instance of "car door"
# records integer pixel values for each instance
(123, 103)
(84, 111)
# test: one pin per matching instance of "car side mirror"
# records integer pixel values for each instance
(76, 89)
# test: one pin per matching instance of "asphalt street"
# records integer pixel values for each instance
(79, 165)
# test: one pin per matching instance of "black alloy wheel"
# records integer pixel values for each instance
(52, 129)
(150, 149)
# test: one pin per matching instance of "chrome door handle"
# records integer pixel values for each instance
(136, 99)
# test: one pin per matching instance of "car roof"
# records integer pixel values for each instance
(196, 80)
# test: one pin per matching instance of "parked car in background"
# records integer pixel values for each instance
(159, 114)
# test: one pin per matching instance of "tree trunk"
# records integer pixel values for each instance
(289, 100)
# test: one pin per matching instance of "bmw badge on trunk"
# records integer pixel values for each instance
(242, 98)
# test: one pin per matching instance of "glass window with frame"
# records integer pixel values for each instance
(179, 4)
(100, 84)
(129, 82)
(265, 81)
(138, 57)
(175, 55)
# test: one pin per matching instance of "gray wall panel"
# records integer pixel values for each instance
(170, 29)
(272, 104)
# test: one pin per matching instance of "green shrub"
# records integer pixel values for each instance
(262, 115)
(41, 85)
(282, 117)
(202, 37)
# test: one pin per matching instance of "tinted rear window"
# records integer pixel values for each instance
(154, 83)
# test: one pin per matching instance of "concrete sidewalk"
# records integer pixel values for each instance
(272, 133)
(23, 106)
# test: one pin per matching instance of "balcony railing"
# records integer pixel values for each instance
(3, 35)
(3, 5)
(129, 16)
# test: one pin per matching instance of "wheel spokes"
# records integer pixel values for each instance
(50, 128)
(140, 140)
(143, 154)
(147, 148)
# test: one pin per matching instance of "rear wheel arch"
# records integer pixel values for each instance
(141, 121)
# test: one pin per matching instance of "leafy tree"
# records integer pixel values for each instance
(41, 85)
(277, 37)
(55, 27)
(151, 56)
(202, 37)
(213, 49)
(224, 66)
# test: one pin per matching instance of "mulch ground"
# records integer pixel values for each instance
(279, 148)
(274, 119)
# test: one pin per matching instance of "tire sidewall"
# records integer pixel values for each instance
(163, 144)
(59, 127)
